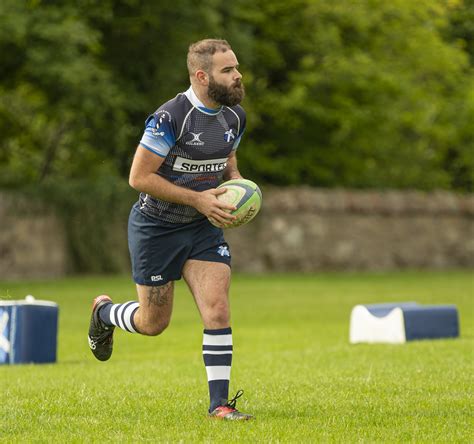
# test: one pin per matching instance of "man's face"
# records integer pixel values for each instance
(225, 87)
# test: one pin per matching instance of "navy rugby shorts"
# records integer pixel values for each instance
(158, 250)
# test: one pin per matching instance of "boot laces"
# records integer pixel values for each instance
(233, 401)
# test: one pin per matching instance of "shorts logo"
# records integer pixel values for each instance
(156, 278)
(195, 140)
(223, 251)
(184, 165)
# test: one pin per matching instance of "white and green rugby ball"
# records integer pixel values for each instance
(243, 194)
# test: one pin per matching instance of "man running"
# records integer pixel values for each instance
(188, 148)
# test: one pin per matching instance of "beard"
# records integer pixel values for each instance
(223, 95)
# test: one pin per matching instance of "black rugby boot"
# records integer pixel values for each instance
(100, 335)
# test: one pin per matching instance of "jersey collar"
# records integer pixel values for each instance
(193, 98)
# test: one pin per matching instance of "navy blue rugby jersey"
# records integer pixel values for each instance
(195, 143)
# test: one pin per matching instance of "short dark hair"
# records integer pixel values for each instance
(200, 54)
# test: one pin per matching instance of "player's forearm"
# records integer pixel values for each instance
(205, 202)
(231, 171)
(160, 188)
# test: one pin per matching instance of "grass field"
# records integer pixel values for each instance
(302, 379)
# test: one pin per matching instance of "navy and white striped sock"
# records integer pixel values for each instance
(217, 354)
(120, 315)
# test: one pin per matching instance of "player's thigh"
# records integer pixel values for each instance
(157, 251)
(156, 302)
(209, 283)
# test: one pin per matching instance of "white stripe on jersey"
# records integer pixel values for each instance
(238, 120)
(184, 123)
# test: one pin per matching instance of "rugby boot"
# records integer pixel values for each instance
(100, 335)
(229, 412)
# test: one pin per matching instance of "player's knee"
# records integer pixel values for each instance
(154, 329)
(218, 314)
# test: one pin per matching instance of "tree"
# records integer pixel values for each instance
(350, 93)
(61, 114)
(358, 94)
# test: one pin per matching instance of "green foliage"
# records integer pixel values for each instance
(61, 114)
(339, 93)
(370, 96)
(461, 25)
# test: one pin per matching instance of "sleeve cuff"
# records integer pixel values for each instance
(152, 150)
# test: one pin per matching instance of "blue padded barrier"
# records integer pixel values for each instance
(431, 322)
(28, 331)
(402, 321)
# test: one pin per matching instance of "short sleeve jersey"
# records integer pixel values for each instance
(195, 143)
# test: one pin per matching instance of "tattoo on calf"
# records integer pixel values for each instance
(158, 295)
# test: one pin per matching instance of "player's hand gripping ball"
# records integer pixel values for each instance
(243, 194)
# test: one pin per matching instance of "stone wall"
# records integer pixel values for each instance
(32, 240)
(300, 229)
(308, 229)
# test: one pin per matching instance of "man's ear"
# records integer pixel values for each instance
(202, 77)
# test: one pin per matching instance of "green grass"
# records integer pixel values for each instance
(302, 379)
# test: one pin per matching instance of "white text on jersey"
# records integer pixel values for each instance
(199, 166)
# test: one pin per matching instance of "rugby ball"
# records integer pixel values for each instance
(243, 194)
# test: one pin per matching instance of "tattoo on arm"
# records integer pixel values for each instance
(158, 296)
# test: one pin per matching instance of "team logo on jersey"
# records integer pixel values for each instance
(229, 135)
(195, 140)
(161, 116)
(157, 133)
(184, 165)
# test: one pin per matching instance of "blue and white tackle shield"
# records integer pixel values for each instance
(28, 331)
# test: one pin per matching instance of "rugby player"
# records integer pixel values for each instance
(188, 148)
